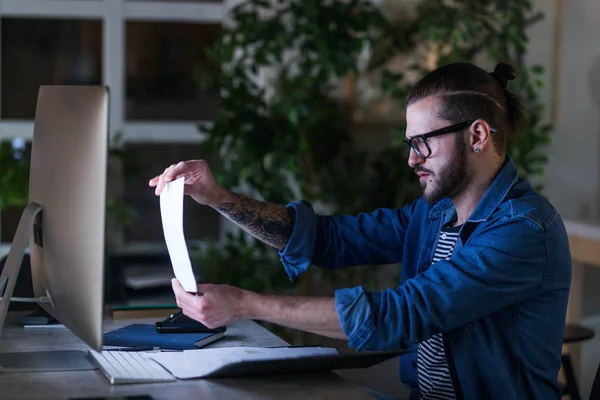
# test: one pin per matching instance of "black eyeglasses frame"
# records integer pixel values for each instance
(412, 144)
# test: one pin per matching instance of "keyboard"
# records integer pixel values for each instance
(129, 367)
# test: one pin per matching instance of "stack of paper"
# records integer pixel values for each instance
(199, 363)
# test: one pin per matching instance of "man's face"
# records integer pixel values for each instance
(445, 172)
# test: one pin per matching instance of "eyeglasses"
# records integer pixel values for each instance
(420, 144)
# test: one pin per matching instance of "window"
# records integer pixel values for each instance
(147, 53)
(179, 1)
(46, 51)
(148, 160)
(161, 62)
(145, 160)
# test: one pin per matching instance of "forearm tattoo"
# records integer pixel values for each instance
(273, 224)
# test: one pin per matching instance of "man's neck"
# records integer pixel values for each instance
(466, 202)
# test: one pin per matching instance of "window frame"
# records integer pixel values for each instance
(114, 14)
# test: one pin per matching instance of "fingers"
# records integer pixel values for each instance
(213, 306)
(184, 299)
(192, 305)
(154, 181)
(176, 285)
(168, 175)
(204, 288)
(159, 182)
(174, 171)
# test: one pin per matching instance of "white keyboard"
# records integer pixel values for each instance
(129, 367)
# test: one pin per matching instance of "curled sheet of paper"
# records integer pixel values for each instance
(201, 363)
(171, 212)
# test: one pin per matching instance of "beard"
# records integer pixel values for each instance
(452, 178)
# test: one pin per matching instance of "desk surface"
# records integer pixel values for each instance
(64, 385)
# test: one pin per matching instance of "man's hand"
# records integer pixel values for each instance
(273, 224)
(199, 183)
(214, 305)
(218, 305)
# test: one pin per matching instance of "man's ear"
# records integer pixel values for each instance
(480, 138)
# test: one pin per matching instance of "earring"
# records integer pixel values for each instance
(476, 149)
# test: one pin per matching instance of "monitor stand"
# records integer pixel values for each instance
(31, 361)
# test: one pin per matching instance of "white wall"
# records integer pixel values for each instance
(541, 47)
(573, 173)
(574, 167)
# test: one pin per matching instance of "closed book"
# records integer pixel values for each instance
(134, 313)
(124, 311)
(144, 335)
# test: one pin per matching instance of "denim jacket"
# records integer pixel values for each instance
(500, 301)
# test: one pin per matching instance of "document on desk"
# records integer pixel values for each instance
(171, 212)
(203, 362)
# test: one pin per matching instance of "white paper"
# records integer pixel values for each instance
(198, 363)
(171, 212)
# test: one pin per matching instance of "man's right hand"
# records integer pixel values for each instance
(273, 224)
(199, 182)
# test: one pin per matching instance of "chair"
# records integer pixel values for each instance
(595, 392)
(574, 334)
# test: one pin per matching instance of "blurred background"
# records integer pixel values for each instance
(297, 99)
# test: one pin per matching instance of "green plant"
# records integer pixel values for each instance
(119, 214)
(288, 138)
(266, 137)
(285, 139)
(484, 32)
(14, 183)
(14, 175)
(527, 149)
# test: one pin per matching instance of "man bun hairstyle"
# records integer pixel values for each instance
(504, 73)
(467, 92)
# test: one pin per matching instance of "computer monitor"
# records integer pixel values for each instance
(64, 222)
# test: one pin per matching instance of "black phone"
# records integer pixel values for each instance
(180, 323)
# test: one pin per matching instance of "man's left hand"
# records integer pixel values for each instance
(213, 305)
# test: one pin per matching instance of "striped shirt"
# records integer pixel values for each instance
(432, 366)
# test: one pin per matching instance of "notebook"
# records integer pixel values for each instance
(144, 335)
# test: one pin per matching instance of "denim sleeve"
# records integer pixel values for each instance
(341, 241)
(297, 254)
(500, 266)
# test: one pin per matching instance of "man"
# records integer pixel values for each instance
(486, 264)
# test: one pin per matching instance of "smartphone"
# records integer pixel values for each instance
(180, 323)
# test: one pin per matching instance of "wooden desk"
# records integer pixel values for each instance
(584, 240)
(65, 385)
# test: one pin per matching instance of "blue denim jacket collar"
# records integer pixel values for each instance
(504, 181)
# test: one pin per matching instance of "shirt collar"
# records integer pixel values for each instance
(496, 193)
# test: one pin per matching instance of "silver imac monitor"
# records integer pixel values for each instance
(63, 224)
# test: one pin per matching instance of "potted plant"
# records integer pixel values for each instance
(14, 175)
(282, 134)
